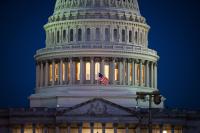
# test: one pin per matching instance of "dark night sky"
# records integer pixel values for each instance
(175, 26)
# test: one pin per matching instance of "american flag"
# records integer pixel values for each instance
(103, 79)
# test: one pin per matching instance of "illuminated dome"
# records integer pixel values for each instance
(85, 37)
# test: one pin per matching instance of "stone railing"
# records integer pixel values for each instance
(105, 47)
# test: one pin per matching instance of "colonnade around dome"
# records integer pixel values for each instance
(85, 70)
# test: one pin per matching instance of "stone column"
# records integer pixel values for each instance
(112, 72)
(33, 128)
(111, 34)
(141, 69)
(92, 71)
(102, 66)
(147, 73)
(53, 73)
(161, 128)
(133, 72)
(45, 129)
(152, 79)
(71, 71)
(61, 72)
(66, 72)
(138, 129)
(68, 128)
(37, 75)
(46, 73)
(127, 129)
(22, 129)
(115, 127)
(91, 127)
(81, 71)
(80, 128)
(124, 71)
(41, 74)
(10, 130)
(155, 76)
(128, 73)
(103, 128)
(57, 129)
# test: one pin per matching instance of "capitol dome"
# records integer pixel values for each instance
(88, 37)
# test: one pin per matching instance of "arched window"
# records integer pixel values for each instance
(136, 36)
(58, 36)
(107, 35)
(97, 70)
(87, 71)
(130, 36)
(79, 35)
(64, 35)
(123, 35)
(71, 35)
(88, 34)
(97, 34)
(115, 36)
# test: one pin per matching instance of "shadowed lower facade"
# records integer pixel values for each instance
(85, 38)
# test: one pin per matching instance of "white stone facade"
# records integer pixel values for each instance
(85, 37)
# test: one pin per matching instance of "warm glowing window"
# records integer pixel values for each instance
(138, 73)
(77, 71)
(56, 72)
(131, 71)
(143, 73)
(63, 73)
(97, 70)
(50, 73)
(87, 71)
(116, 72)
(106, 70)
(68, 71)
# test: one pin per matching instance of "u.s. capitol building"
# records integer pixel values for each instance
(85, 38)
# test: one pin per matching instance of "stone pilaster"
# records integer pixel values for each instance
(53, 72)
(124, 71)
(80, 128)
(161, 128)
(46, 73)
(81, 71)
(61, 72)
(91, 127)
(33, 128)
(37, 75)
(152, 74)
(112, 72)
(41, 74)
(71, 71)
(115, 127)
(22, 129)
(102, 66)
(147, 73)
(141, 70)
(128, 73)
(92, 71)
(120, 73)
(103, 128)
(133, 72)
(155, 76)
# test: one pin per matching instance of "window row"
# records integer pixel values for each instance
(114, 35)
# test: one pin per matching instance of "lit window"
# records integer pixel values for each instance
(164, 131)
(68, 72)
(123, 35)
(56, 72)
(116, 72)
(131, 71)
(97, 70)
(63, 74)
(87, 71)
(50, 73)
(106, 70)
(77, 71)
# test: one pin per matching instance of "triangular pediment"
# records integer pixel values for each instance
(98, 106)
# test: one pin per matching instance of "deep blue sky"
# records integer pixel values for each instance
(175, 26)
